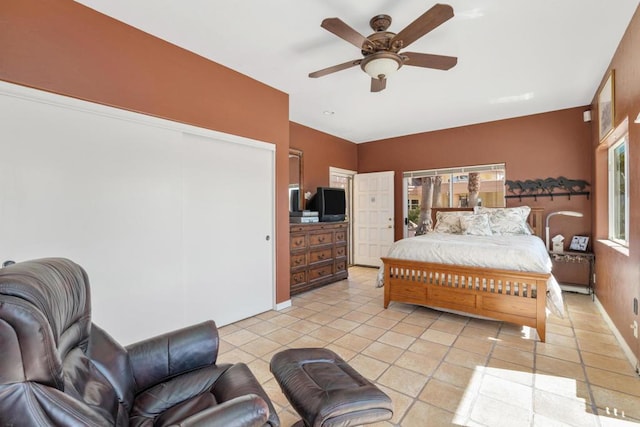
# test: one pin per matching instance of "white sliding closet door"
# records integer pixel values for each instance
(170, 221)
(228, 263)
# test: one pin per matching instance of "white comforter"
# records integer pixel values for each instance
(520, 253)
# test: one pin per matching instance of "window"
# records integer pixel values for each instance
(468, 186)
(342, 179)
(618, 192)
(454, 186)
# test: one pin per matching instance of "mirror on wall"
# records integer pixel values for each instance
(296, 190)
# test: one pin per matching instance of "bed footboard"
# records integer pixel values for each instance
(511, 296)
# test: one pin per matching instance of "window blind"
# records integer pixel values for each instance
(458, 170)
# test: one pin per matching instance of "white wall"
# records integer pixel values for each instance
(170, 221)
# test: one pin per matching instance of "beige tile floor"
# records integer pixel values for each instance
(443, 369)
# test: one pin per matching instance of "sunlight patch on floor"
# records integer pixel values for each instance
(508, 397)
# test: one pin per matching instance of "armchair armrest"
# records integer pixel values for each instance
(164, 356)
(245, 411)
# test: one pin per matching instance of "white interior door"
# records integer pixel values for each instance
(373, 217)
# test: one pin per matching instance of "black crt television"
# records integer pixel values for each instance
(331, 204)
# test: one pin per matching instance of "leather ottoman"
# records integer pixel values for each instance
(326, 391)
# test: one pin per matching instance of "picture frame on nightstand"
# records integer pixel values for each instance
(579, 243)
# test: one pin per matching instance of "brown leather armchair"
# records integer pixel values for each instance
(57, 368)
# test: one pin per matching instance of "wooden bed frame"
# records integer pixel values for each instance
(511, 296)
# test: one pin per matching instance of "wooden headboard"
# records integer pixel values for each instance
(535, 220)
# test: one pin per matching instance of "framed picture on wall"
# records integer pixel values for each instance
(579, 243)
(606, 104)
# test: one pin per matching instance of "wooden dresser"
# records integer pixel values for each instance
(318, 254)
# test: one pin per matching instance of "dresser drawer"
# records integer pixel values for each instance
(340, 251)
(341, 236)
(322, 255)
(320, 272)
(320, 239)
(297, 241)
(298, 228)
(297, 278)
(341, 265)
(298, 260)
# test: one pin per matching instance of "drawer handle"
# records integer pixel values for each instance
(320, 239)
(321, 256)
(298, 242)
(297, 262)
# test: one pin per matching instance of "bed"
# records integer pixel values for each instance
(483, 274)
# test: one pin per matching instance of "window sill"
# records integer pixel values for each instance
(615, 246)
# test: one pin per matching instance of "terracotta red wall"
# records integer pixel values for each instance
(618, 273)
(320, 151)
(66, 48)
(539, 146)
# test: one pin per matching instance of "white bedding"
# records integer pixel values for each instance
(519, 253)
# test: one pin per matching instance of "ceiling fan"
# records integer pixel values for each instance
(381, 50)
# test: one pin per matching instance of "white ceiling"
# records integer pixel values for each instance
(515, 57)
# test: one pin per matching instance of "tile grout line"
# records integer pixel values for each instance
(429, 377)
(343, 302)
(467, 417)
(594, 406)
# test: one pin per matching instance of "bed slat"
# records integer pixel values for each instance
(505, 295)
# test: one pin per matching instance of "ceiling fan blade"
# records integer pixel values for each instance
(345, 32)
(335, 68)
(378, 85)
(429, 20)
(439, 62)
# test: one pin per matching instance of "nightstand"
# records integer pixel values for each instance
(581, 258)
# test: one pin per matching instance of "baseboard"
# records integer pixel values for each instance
(623, 344)
(581, 289)
(283, 305)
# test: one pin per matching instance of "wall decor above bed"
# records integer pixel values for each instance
(547, 187)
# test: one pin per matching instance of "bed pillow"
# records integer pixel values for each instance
(449, 222)
(475, 225)
(507, 221)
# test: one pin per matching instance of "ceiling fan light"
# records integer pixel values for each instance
(382, 66)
